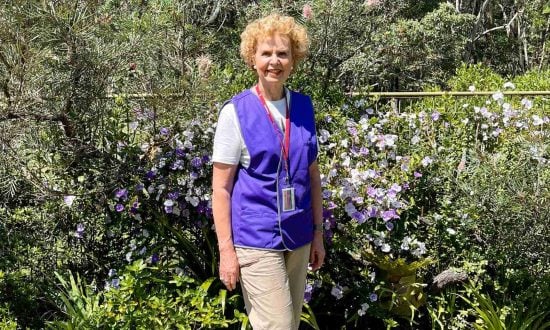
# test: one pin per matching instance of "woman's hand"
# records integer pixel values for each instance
(222, 185)
(229, 267)
(317, 252)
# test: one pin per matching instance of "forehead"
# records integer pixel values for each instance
(274, 40)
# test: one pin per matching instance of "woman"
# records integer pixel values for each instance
(266, 184)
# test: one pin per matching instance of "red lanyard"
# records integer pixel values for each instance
(286, 144)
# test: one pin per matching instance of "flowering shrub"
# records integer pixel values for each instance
(165, 204)
(399, 189)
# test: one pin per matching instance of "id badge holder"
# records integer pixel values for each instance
(288, 199)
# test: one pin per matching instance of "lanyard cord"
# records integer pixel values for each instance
(285, 145)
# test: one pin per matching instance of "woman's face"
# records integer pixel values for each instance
(273, 59)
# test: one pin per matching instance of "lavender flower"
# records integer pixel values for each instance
(308, 293)
(373, 297)
(119, 207)
(359, 217)
(196, 162)
(337, 291)
(121, 194)
(79, 230)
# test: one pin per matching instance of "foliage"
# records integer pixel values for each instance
(143, 297)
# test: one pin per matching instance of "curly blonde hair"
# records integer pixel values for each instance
(268, 26)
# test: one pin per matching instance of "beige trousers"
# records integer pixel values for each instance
(273, 284)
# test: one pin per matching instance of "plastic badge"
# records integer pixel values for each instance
(288, 199)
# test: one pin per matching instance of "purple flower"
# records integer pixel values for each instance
(164, 131)
(134, 207)
(139, 187)
(150, 175)
(155, 258)
(177, 165)
(173, 195)
(119, 207)
(308, 292)
(371, 191)
(364, 151)
(180, 152)
(373, 297)
(359, 216)
(389, 214)
(352, 131)
(79, 230)
(326, 194)
(121, 194)
(435, 115)
(115, 283)
(372, 211)
(417, 174)
(205, 159)
(389, 225)
(196, 162)
(331, 205)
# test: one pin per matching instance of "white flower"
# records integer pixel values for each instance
(509, 84)
(537, 120)
(363, 309)
(144, 147)
(527, 104)
(472, 88)
(498, 96)
(420, 250)
(406, 243)
(385, 248)
(69, 199)
(451, 231)
(415, 139)
(323, 135)
(426, 161)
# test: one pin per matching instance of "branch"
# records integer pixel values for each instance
(215, 13)
(62, 118)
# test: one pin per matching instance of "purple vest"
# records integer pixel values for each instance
(256, 219)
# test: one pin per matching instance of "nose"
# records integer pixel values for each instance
(275, 59)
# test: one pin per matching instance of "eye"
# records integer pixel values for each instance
(282, 54)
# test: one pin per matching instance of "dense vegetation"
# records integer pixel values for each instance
(436, 209)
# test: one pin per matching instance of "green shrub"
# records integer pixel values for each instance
(144, 297)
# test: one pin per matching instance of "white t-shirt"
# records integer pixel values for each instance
(229, 146)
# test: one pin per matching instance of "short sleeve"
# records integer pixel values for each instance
(227, 140)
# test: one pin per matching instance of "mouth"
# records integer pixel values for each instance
(274, 71)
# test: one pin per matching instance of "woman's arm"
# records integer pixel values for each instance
(222, 185)
(317, 254)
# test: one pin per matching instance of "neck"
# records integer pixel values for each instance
(272, 93)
